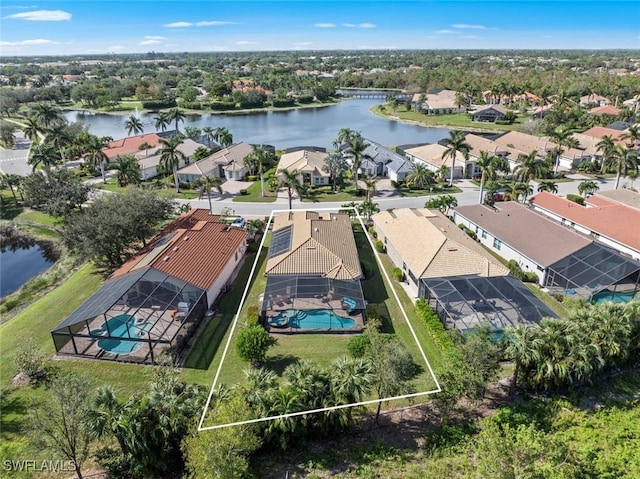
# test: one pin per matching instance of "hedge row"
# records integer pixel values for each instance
(435, 327)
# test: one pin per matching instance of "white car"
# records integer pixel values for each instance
(238, 222)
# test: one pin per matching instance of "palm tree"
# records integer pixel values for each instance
(289, 179)
(370, 184)
(351, 380)
(134, 125)
(607, 146)
(632, 136)
(13, 181)
(128, 170)
(59, 136)
(260, 156)
(489, 167)
(223, 136)
(46, 155)
(563, 137)
(622, 161)
(521, 189)
(550, 186)
(177, 115)
(368, 208)
(420, 177)
(529, 167)
(336, 165)
(355, 149)
(96, 155)
(162, 121)
(33, 129)
(206, 183)
(171, 156)
(345, 135)
(587, 187)
(522, 347)
(47, 114)
(209, 134)
(456, 144)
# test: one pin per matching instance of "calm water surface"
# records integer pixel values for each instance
(284, 129)
(17, 266)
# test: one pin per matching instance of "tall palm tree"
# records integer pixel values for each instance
(223, 136)
(44, 154)
(456, 144)
(550, 186)
(134, 125)
(529, 167)
(128, 170)
(336, 165)
(59, 136)
(355, 150)
(588, 186)
(33, 129)
(95, 153)
(162, 121)
(209, 134)
(289, 179)
(47, 114)
(370, 184)
(420, 176)
(563, 137)
(607, 146)
(490, 166)
(261, 157)
(207, 182)
(13, 181)
(176, 115)
(345, 135)
(351, 380)
(631, 136)
(171, 156)
(621, 161)
(368, 208)
(522, 347)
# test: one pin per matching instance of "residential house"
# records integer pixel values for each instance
(225, 163)
(594, 99)
(564, 260)
(441, 102)
(154, 302)
(149, 159)
(378, 158)
(431, 156)
(541, 111)
(542, 145)
(612, 223)
(479, 144)
(313, 263)
(130, 145)
(624, 196)
(464, 284)
(608, 110)
(309, 163)
(490, 114)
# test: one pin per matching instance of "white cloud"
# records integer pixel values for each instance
(445, 31)
(178, 25)
(302, 44)
(36, 41)
(464, 26)
(245, 42)
(359, 25)
(204, 23)
(154, 37)
(42, 16)
(324, 25)
(149, 42)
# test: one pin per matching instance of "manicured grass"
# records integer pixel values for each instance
(344, 196)
(38, 217)
(112, 185)
(549, 300)
(255, 194)
(436, 190)
(459, 120)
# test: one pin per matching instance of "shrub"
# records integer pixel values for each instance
(252, 178)
(305, 98)
(358, 345)
(367, 269)
(576, 199)
(371, 312)
(30, 360)
(470, 233)
(222, 105)
(379, 246)
(281, 102)
(244, 192)
(158, 104)
(398, 275)
(515, 269)
(372, 232)
(435, 328)
(530, 277)
(253, 344)
(253, 316)
(191, 105)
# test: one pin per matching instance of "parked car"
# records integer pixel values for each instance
(238, 222)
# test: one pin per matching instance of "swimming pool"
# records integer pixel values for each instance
(122, 326)
(312, 319)
(605, 296)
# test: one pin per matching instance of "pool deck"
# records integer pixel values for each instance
(301, 304)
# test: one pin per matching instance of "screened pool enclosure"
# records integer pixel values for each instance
(497, 302)
(137, 317)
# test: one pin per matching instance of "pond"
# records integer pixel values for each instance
(284, 129)
(21, 259)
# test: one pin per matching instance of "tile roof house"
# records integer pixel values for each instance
(605, 110)
(623, 196)
(594, 99)
(612, 223)
(441, 102)
(479, 144)
(309, 164)
(130, 145)
(149, 159)
(489, 113)
(527, 143)
(225, 163)
(435, 248)
(316, 244)
(431, 156)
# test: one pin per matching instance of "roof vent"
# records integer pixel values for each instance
(175, 248)
(315, 229)
(166, 258)
(185, 238)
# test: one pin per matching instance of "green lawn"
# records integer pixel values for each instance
(254, 195)
(459, 120)
(112, 185)
(38, 217)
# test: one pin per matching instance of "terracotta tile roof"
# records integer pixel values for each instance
(435, 247)
(194, 248)
(537, 237)
(130, 145)
(600, 131)
(609, 218)
(605, 110)
(320, 245)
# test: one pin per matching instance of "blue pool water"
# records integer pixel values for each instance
(312, 319)
(605, 296)
(122, 326)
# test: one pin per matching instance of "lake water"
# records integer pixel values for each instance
(285, 129)
(19, 265)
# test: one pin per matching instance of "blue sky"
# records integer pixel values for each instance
(75, 27)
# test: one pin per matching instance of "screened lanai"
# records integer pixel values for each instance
(134, 317)
(497, 302)
(595, 271)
